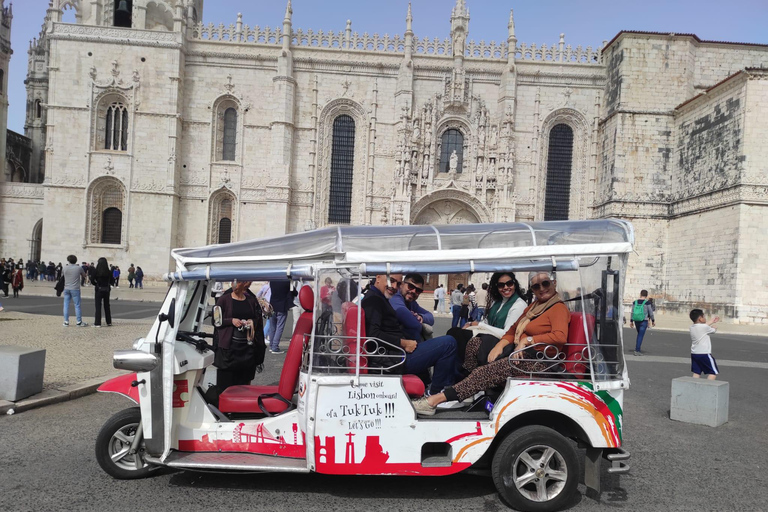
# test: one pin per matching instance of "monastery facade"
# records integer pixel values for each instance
(151, 130)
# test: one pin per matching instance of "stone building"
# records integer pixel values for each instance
(151, 130)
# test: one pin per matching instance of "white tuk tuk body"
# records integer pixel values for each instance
(345, 417)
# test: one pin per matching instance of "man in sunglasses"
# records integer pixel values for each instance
(383, 322)
(411, 315)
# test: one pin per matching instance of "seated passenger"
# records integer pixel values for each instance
(411, 315)
(381, 321)
(504, 306)
(544, 322)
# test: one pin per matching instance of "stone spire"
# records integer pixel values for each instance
(511, 39)
(287, 28)
(408, 34)
(459, 31)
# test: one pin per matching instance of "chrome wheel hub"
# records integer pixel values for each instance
(119, 449)
(540, 473)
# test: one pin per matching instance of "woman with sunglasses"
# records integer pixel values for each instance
(504, 305)
(543, 324)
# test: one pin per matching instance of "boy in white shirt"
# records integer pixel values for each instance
(701, 346)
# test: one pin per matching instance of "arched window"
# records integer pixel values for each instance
(38, 109)
(111, 226)
(452, 140)
(222, 217)
(225, 222)
(559, 161)
(225, 125)
(342, 165)
(116, 129)
(230, 134)
(106, 204)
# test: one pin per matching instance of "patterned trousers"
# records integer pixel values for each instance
(490, 375)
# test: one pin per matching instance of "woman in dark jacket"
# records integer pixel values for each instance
(101, 279)
(239, 341)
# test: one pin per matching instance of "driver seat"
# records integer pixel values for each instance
(272, 400)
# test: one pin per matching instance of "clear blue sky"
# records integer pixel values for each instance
(583, 22)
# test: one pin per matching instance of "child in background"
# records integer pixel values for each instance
(701, 346)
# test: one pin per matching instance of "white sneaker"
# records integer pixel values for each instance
(422, 407)
(66, 324)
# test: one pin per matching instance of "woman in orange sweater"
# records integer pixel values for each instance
(543, 323)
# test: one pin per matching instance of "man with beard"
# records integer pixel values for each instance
(381, 321)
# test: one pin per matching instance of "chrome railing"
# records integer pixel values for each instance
(338, 354)
(590, 362)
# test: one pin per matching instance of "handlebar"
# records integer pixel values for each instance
(190, 337)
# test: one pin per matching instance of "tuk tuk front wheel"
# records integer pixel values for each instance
(113, 446)
(535, 469)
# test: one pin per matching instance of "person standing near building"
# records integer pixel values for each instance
(6, 276)
(101, 278)
(457, 296)
(131, 275)
(73, 273)
(281, 301)
(139, 278)
(116, 276)
(59, 269)
(481, 297)
(17, 282)
(440, 299)
(41, 270)
(642, 312)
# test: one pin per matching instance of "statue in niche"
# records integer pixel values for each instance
(494, 136)
(425, 168)
(453, 162)
(479, 168)
(407, 167)
(481, 136)
(458, 42)
(427, 136)
(490, 171)
(416, 133)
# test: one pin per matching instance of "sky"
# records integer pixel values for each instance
(584, 22)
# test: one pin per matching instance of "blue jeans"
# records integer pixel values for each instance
(75, 296)
(276, 330)
(439, 353)
(455, 311)
(477, 314)
(267, 327)
(641, 327)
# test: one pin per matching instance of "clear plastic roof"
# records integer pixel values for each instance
(371, 244)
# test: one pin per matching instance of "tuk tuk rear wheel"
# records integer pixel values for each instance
(113, 446)
(535, 469)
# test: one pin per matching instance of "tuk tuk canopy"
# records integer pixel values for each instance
(555, 245)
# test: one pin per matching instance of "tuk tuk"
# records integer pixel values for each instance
(343, 407)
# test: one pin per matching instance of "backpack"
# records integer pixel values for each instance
(638, 311)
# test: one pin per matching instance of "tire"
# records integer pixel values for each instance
(114, 439)
(545, 465)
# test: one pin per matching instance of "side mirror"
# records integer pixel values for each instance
(217, 316)
(170, 317)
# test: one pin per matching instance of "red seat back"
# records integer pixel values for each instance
(349, 323)
(289, 378)
(577, 342)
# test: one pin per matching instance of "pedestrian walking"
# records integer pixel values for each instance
(116, 276)
(642, 312)
(131, 275)
(59, 269)
(281, 301)
(139, 278)
(265, 294)
(72, 274)
(457, 296)
(50, 271)
(17, 282)
(482, 298)
(100, 281)
(41, 270)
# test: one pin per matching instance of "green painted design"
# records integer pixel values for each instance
(613, 406)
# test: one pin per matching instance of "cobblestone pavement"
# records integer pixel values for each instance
(73, 354)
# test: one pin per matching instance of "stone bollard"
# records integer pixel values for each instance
(700, 401)
(21, 372)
